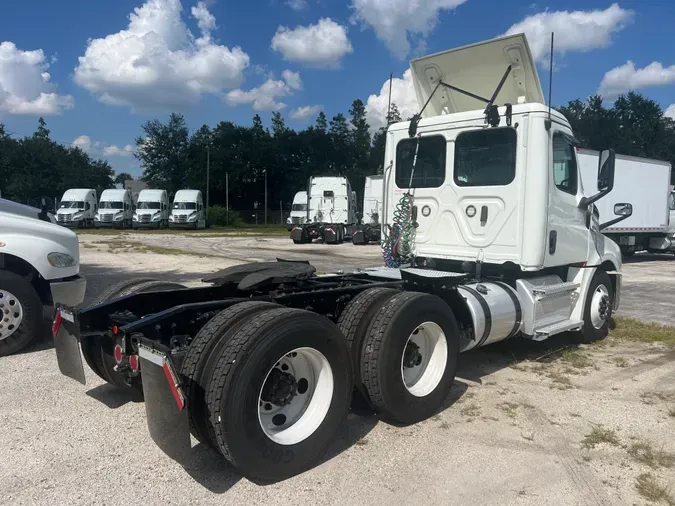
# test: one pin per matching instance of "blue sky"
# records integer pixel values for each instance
(227, 60)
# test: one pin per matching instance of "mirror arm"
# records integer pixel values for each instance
(613, 222)
(587, 201)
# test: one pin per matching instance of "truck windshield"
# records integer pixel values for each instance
(299, 207)
(485, 157)
(429, 167)
(185, 205)
(149, 205)
(111, 205)
(70, 204)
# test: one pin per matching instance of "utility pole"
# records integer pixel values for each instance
(391, 76)
(265, 171)
(208, 173)
(281, 212)
(227, 197)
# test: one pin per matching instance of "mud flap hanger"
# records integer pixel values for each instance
(491, 114)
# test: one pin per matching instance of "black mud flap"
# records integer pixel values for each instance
(297, 234)
(164, 403)
(66, 332)
(329, 236)
(359, 237)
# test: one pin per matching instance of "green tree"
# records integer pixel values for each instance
(321, 122)
(122, 177)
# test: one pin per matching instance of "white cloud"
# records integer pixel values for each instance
(670, 112)
(626, 78)
(126, 151)
(402, 94)
(397, 21)
(292, 79)
(322, 45)
(263, 98)
(25, 86)
(98, 148)
(297, 5)
(157, 63)
(573, 30)
(305, 112)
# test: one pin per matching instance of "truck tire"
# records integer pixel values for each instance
(597, 309)
(98, 351)
(355, 321)
(409, 357)
(197, 365)
(251, 397)
(20, 313)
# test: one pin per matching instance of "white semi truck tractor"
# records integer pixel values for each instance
(488, 236)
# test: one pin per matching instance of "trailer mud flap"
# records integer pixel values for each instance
(164, 403)
(65, 330)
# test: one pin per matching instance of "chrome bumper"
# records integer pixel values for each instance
(71, 292)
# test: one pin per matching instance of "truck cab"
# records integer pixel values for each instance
(152, 209)
(39, 267)
(188, 210)
(115, 209)
(78, 208)
(298, 210)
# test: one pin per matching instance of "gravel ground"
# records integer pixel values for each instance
(511, 432)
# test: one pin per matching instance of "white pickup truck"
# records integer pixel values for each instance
(39, 266)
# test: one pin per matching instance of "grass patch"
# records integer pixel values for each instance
(598, 436)
(560, 381)
(436, 418)
(575, 358)
(651, 489)
(671, 412)
(634, 330)
(510, 408)
(644, 453)
(620, 362)
(445, 425)
(137, 247)
(651, 398)
(575, 415)
(252, 230)
(472, 410)
(362, 442)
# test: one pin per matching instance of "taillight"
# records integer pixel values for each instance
(118, 353)
(57, 324)
(133, 362)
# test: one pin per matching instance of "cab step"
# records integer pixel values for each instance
(557, 328)
(549, 290)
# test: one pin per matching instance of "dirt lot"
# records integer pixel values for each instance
(526, 423)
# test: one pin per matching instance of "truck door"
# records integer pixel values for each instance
(568, 226)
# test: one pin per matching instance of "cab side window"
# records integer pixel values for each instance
(564, 165)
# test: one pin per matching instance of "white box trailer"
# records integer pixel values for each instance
(369, 226)
(643, 182)
(331, 209)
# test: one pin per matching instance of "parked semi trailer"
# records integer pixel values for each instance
(331, 211)
(368, 228)
(261, 362)
(646, 183)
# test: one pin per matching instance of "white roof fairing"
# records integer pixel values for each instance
(477, 69)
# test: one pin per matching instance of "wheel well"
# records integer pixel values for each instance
(24, 269)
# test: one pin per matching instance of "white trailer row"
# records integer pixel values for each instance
(80, 209)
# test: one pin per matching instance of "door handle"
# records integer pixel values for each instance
(483, 215)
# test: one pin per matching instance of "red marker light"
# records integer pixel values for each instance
(57, 324)
(133, 362)
(115, 330)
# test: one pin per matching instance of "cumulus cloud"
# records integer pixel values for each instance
(157, 63)
(574, 30)
(321, 45)
(397, 21)
(305, 112)
(402, 94)
(670, 112)
(263, 98)
(297, 5)
(96, 148)
(626, 78)
(25, 86)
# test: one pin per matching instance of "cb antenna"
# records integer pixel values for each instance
(550, 85)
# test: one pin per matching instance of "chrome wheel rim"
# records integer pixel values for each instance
(11, 314)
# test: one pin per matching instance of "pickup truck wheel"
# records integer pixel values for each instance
(98, 351)
(20, 313)
(198, 363)
(598, 309)
(409, 357)
(280, 391)
(355, 321)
